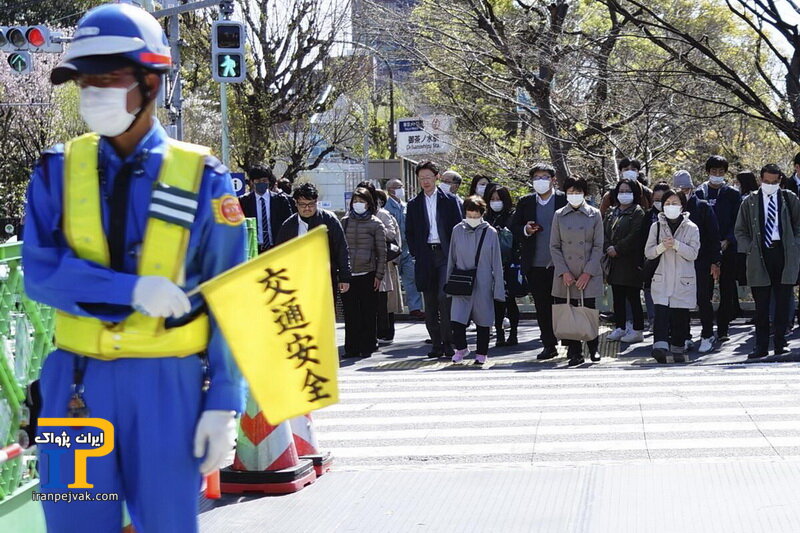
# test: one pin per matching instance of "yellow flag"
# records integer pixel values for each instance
(276, 312)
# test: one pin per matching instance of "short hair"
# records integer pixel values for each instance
(672, 192)
(380, 196)
(307, 191)
(455, 175)
(502, 192)
(661, 186)
(576, 183)
(626, 162)
(747, 182)
(429, 165)
(542, 167)
(797, 158)
(370, 187)
(364, 193)
(474, 185)
(475, 203)
(636, 189)
(770, 168)
(716, 161)
(285, 184)
(260, 172)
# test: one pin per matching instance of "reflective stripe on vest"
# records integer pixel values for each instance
(172, 207)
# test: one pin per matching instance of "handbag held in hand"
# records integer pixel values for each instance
(575, 323)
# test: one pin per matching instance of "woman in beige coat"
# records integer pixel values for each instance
(674, 241)
(390, 300)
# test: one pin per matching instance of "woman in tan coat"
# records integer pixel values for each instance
(674, 241)
(390, 300)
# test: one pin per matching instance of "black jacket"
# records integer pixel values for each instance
(280, 209)
(448, 214)
(726, 209)
(703, 216)
(526, 212)
(337, 244)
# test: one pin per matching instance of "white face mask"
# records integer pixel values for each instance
(625, 198)
(630, 174)
(575, 200)
(105, 109)
(480, 189)
(400, 194)
(672, 211)
(542, 186)
(473, 222)
(716, 180)
(496, 206)
(360, 208)
(445, 187)
(769, 188)
(657, 205)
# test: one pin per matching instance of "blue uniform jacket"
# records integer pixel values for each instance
(55, 276)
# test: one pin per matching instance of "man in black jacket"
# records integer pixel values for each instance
(308, 217)
(725, 202)
(708, 260)
(531, 226)
(270, 209)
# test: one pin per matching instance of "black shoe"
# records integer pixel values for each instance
(679, 357)
(723, 336)
(547, 353)
(350, 355)
(366, 354)
(449, 351)
(512, 339)
(780, 350)
(757, 354)
(575, 361)
(660, 355)
(428, 341)
(435, 355)
(501, 338)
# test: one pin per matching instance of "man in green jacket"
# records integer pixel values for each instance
(768, 231)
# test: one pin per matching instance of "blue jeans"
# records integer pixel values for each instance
(413, 297)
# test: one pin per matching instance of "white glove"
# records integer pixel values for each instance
(158, 296)
(214, 437)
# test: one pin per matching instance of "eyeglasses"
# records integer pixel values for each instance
(306, 205)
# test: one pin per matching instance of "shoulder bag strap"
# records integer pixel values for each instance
(480, 245)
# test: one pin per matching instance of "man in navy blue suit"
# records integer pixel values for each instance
(430, 218)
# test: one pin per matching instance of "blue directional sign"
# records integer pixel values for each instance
(238, 183)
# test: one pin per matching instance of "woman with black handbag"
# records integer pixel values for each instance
(674, 241)
(474, 278)
(499, 215)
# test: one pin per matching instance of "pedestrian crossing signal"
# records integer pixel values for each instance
(20, 62)
(227, 51)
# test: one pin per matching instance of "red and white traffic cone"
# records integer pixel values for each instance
(305, 440)
(266, 458)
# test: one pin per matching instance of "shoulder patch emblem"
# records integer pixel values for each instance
(227, 210)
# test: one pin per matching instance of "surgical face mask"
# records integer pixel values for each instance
(658, 206)
(496, 206)
(630, 174)
(672, 211)
(541, 186)
(400, 194)
(261, 188)
(625, 198)
(445, 187)
(716, 180)
(480, 189)
(473, 222)
(769, 188)
(359, 207)
(105, 109)
(575, 200)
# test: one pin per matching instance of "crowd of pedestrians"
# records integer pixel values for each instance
(458, 261)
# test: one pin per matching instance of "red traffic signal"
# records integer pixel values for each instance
(36, 36)
(31, 38)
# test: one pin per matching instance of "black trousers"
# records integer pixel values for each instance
(385, 318)
(773, 260)
(540, 283)
(437, 304)
(705, 291)
(508, 308)
(671, 325)
(360, 307)
(728, 308)
(574, 348)
(632, 295)
(460, 338)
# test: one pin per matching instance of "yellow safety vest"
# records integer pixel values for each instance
(163, 252)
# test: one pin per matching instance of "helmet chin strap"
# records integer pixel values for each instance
(145, 91)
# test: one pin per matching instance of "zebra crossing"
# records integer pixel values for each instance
(449, 417)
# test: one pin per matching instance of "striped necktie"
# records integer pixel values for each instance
(772, 220)
(265, 242)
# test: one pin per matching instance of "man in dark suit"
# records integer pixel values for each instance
(725, 202)
(531, 226)
(792, 183)
(430, 218)
(268, 208)
(768, 231)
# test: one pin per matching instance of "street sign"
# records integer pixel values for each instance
(20, 62)
(238, 183)
(424, 135)
(228, 51)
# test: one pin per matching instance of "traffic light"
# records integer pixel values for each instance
(227, 51)
(20, 62)
(30, 38)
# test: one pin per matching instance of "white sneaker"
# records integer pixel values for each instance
(506, 323)
(707, 344)
(633, 337)
(617, 334)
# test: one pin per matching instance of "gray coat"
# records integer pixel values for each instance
(488, 285)
(576, 246)
(750, 240)
(675, 280)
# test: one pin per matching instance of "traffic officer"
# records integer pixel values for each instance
(120, 222)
